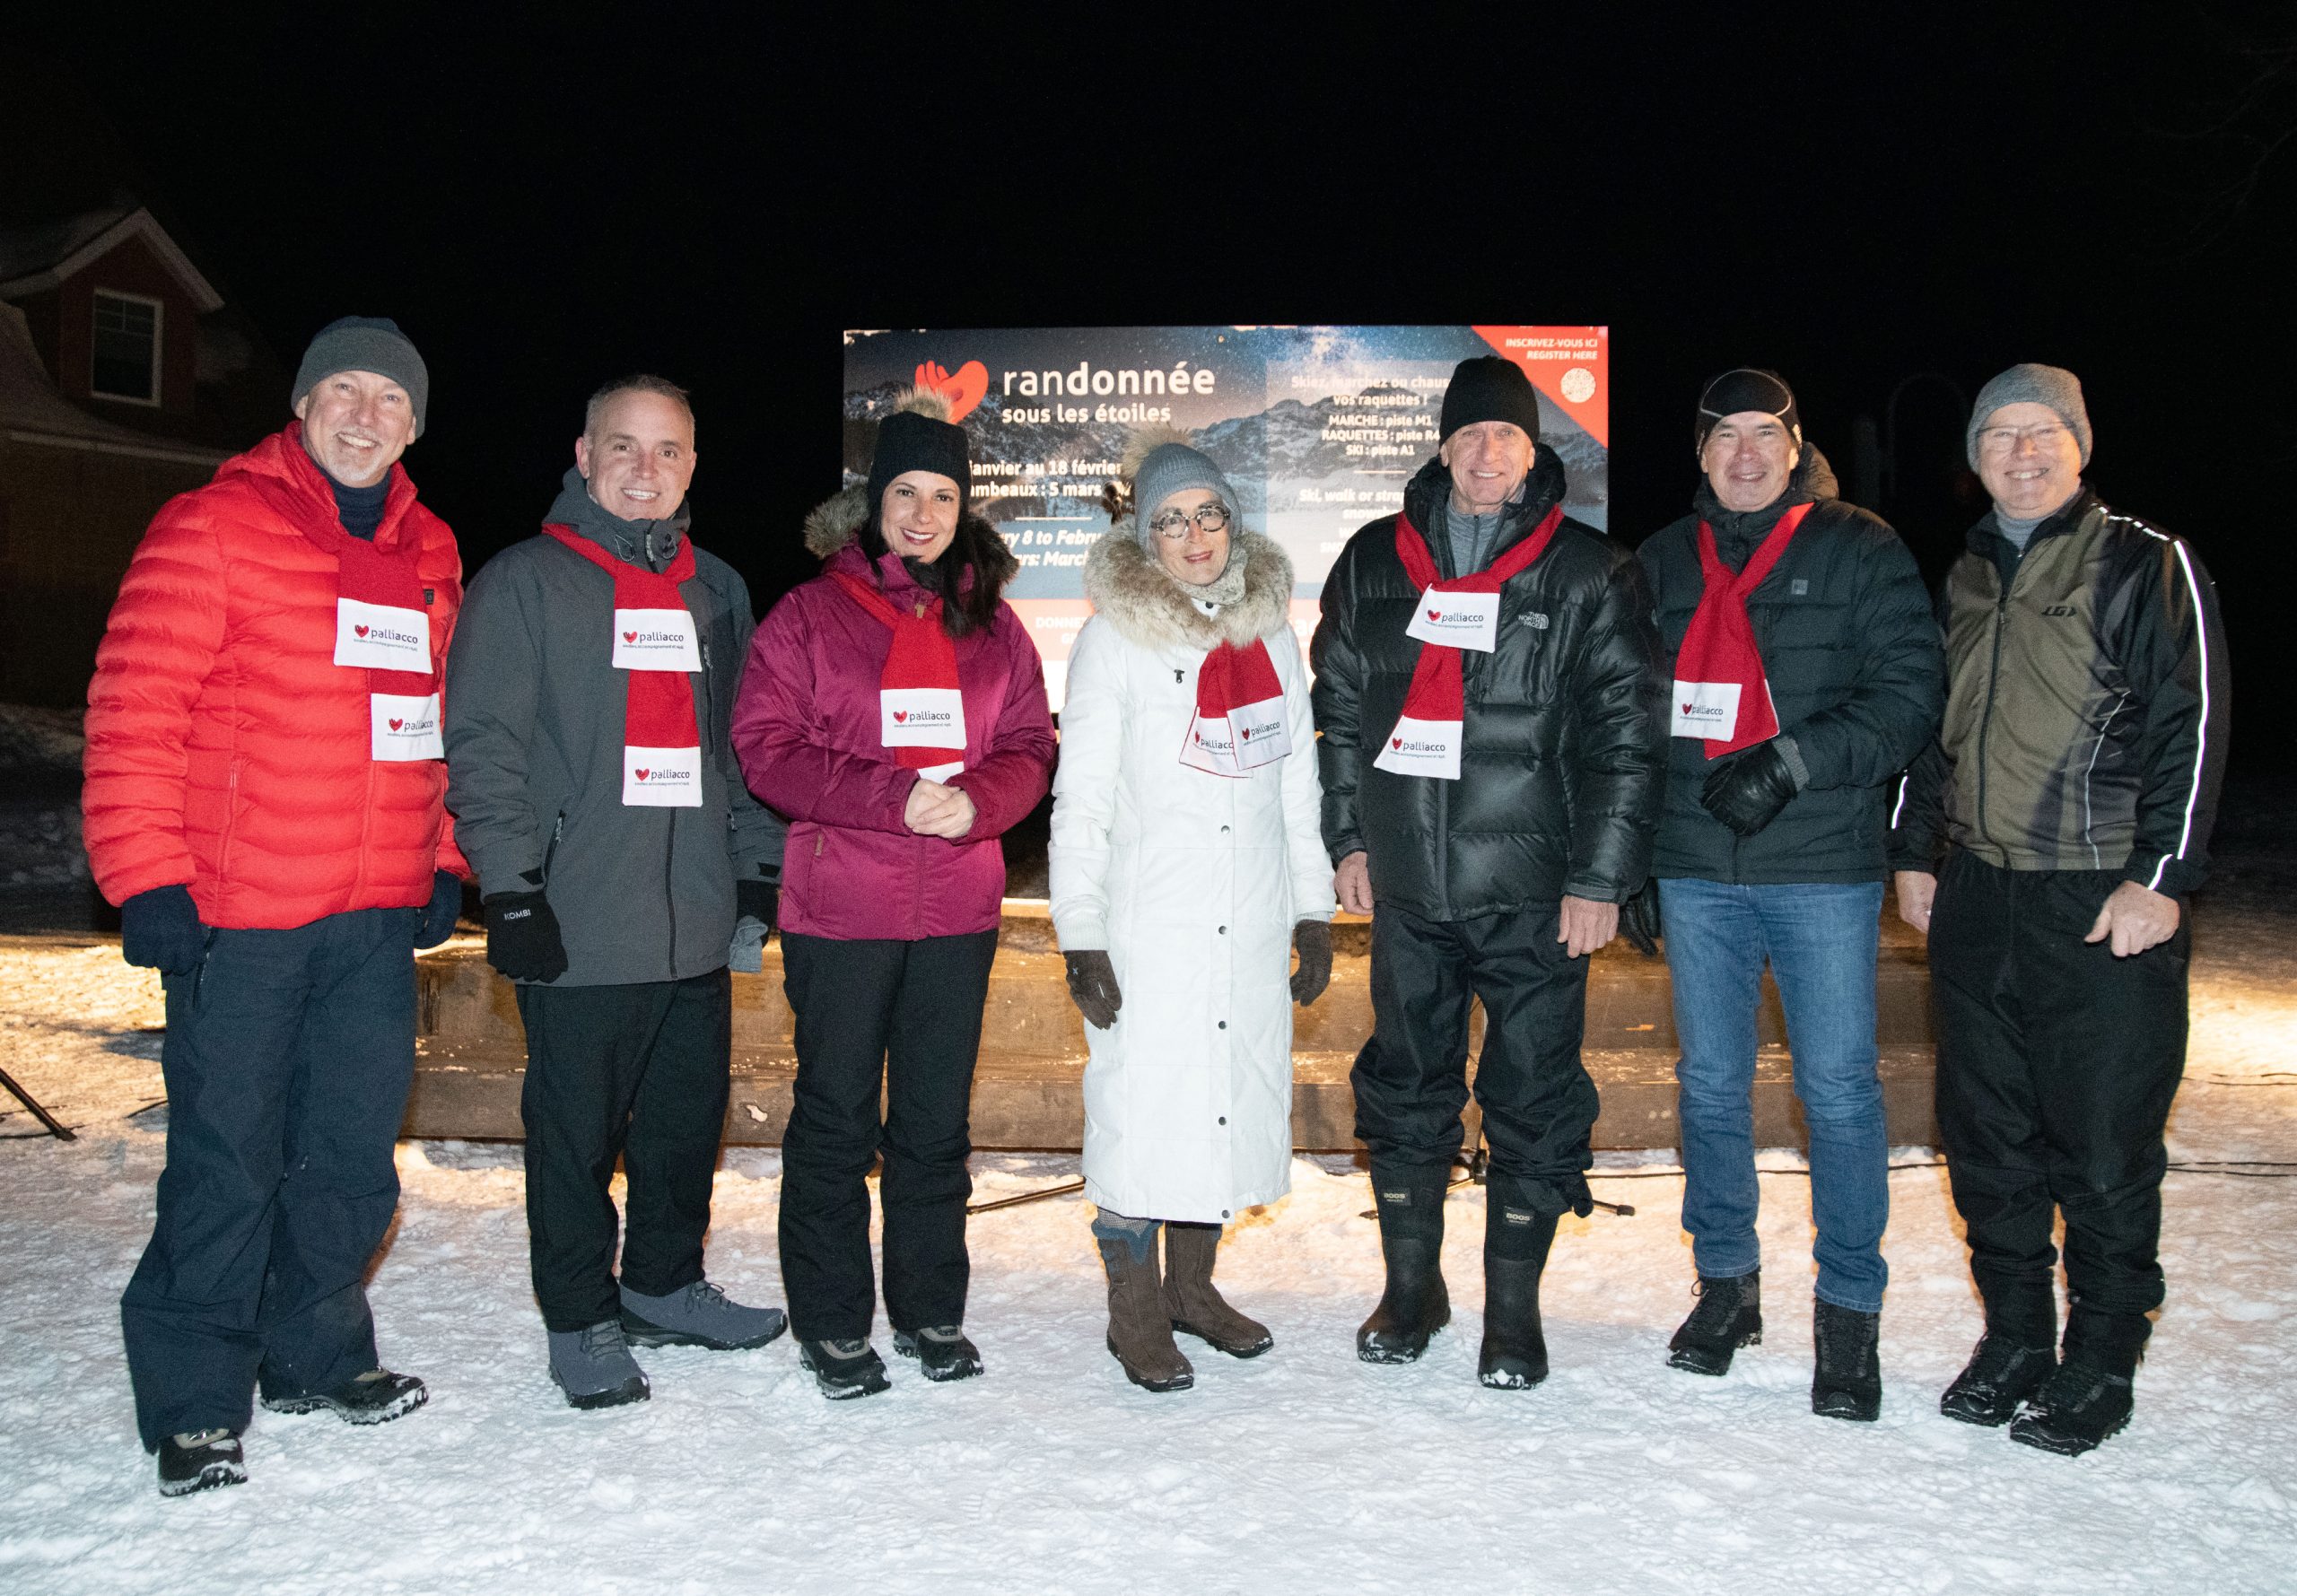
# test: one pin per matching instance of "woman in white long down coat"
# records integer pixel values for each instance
(1186, 863)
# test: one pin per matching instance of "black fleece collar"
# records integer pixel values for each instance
(651, 543)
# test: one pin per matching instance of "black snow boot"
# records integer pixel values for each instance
(374, 1398)
(200, 1461)
(844, 1370)
(1728, 1316)
(942, 1351)
(2000, 1374)
(1415, 1304)
(2017, 1353)
(1847, 1382)
(2089, 1399)
(1516, 1239)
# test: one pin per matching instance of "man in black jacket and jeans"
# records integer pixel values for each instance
(622, 863)
(1806, 669)
(1491, 743)
(2071, 792)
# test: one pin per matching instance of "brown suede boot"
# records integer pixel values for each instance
(1140, 1332)
(1194, 1305)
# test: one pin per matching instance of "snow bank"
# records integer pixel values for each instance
(1303, 1470)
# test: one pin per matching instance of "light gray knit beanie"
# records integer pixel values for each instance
(2031, 384)
(1173, 468)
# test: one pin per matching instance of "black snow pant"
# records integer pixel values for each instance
(2057, 1065)
(288, 1058)
(1411, 1078)
(902, 1019)
(638, 1072)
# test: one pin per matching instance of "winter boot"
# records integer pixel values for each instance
(1415, 1304)
(942, 1351)
(2013, 1358)
(1516, 1238)
(1194, 1304)
(2089, 1399)
(844, 1370)
(200, 1461)
(1727, 1317)
(697, 1315)
(374, 1398)
(593, 1366)
(1847, 1382)
(1140, 1329)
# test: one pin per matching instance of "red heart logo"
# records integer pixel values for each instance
(964, 390)
(1248, 734)
(362, 630)
(397, 723)
(1687, 708)
(1435, 615)
(901, 715)
(630, 637)
(1395, 742)
(642, 775)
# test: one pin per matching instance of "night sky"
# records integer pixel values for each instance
(547, 199)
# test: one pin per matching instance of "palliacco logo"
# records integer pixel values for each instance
(643, 638)
(384, 634)
(1414, 746)
(923, 717)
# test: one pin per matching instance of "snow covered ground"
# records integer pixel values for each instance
(1303, 1470)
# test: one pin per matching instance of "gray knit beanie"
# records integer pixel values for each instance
(2031, 384)
(1172, 468)
(365, 344)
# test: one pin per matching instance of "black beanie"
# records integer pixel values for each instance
(1488, 387)
(1746, 388)
(911, 439)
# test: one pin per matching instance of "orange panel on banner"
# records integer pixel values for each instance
(1571, 365)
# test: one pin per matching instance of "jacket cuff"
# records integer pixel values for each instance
(1793, 754)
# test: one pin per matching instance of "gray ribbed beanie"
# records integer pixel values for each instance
(1172, 468)
(2031, 384)
(365, 344)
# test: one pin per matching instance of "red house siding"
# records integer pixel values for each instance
(131, 268)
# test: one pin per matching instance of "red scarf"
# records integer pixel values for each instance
(653, 640)
(1721, 692)
(1240, 722)
(383, 627)
(922, 711)
(1426, 741)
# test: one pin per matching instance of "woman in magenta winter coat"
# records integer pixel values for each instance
(894, 710)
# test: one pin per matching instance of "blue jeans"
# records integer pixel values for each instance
(1822, 941)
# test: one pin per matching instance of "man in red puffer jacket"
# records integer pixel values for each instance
(265, 800)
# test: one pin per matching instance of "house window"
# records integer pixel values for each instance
(126, 363)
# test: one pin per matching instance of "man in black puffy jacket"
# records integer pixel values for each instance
(1807, 672)
(1492, 746)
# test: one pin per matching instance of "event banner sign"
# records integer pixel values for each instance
(1319, 428)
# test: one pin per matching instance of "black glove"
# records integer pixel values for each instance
(523, 938)
(160, 929)
(1747, 793)
(445, 908)
(1092, 982)
(1313, 938)
(1639, 919)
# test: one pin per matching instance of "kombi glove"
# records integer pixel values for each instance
(1092, 982)
(522, 940)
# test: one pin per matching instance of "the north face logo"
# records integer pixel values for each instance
(362, 630)
(630, 637)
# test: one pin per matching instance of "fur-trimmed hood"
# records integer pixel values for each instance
(1153, 610)
(836, 521)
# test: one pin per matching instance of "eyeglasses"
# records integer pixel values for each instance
(2003, 441)
(1175, 524)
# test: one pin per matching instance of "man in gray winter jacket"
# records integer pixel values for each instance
(622, 863)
